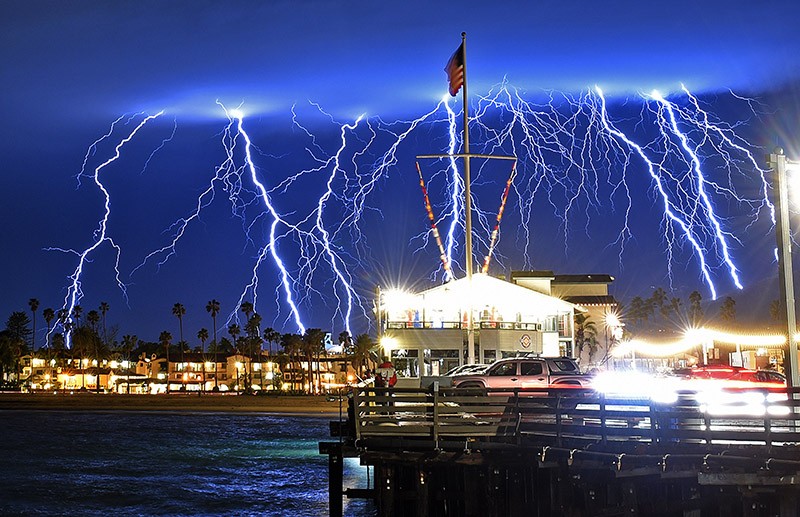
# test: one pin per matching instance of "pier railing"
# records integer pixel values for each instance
(440, 418)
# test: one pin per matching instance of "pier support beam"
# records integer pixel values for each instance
(422, 493)
(335, 482)
(385, 486)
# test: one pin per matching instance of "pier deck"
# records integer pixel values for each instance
(570, 452)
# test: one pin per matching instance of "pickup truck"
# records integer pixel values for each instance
(527, 372)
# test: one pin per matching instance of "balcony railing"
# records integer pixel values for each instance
(504, 325)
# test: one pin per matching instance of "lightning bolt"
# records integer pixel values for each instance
(572, 155)
(286, 279)
(671, 212)
(74, 290)
(710, 215)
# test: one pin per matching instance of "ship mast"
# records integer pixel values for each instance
(466, 155)
(468, 209)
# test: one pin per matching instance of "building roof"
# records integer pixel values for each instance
(592, 300)
(533, 274)
(594, 278)
(490, 291)
(583, 279)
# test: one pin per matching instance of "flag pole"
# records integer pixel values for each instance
(468, 209)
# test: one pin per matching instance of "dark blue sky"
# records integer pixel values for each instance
(71, 68)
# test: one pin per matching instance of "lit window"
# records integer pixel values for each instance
(406, 362)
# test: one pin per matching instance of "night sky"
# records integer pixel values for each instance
(70, 69)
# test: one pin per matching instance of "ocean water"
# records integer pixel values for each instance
(171, 464)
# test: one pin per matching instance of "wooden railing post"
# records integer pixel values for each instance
(435, 423)
(559, 430)
(768, 429)
(603, 419)
(357, 412)
(654, 423)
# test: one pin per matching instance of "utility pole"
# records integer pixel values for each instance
(777, 162)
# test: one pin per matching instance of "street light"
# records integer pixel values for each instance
(778, 163)
(614, 325)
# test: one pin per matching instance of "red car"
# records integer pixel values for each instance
(735, 376)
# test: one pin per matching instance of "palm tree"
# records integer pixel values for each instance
(62, 315)
(234, 331)
(659, 301)
(695, 308)
(282, 360)
(585, 334)
(248, 309)
(253, 328)
(728, 310)
(292, 344)
(104, 308)
(128, 344)
(93, 318)
(202, 335)
(362, 349)
(164, 338)
(77, 311)
(212, 308)
(313, 340)
(58, 343)
(84, 345)
(17, 333)
(33, 303)
(775, 310)
(271, 336)
(178, 310)
(346, 342)
(49, 315)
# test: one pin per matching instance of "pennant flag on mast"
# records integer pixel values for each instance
(455, 70)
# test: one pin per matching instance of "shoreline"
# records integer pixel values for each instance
(296, 405)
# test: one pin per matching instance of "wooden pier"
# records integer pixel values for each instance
(568, 452)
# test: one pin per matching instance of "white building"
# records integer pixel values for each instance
(425, 333)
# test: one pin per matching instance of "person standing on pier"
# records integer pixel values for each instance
(385, 375)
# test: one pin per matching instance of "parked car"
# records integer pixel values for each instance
(527, 372)
(734, 376)
(466, 369)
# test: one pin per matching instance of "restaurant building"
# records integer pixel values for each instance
(426, 333)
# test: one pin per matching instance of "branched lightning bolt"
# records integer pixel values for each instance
(699, 176)
(74, 291)
(574, 159)
(456, 186)
(286, 279)
(672, 213)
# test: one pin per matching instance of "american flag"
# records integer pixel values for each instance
(455, 70)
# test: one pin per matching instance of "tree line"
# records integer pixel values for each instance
(90, 337)
(657, 312)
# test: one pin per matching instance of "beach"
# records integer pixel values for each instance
(207, 402)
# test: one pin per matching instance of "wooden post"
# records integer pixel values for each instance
(435, 422)
(422, 492)
(335, 480)
(789, 503)
(385, 485)
(603, 429)
(356, 414)
(629, 503)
